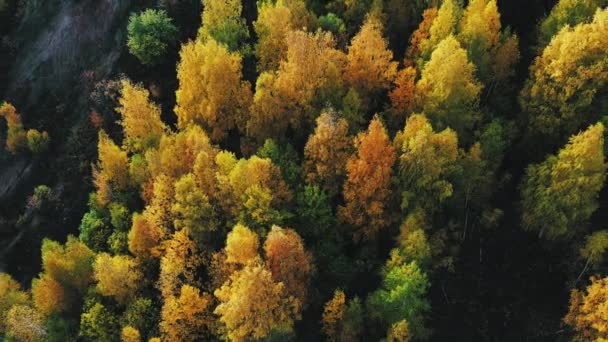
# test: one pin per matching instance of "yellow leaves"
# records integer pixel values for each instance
(326, 153)
(178, 264)
(333, 314)
(141, 121)
(215, 14)
(448, 90)
(252, 304)
(271, 27)
(565, 79)
(284, 98)
(117, 276)
(399, 332)
(211, 92)
(144, 235)
(71, 265)
(130, 334)
(241, 245)
(48, 295)
(444, 25)
(366, 190)
(10, 295)
(186, 317)
(25, 324)
(177, 153)
(588, 312)
(113, 163)
(369, 66)
(481, 24)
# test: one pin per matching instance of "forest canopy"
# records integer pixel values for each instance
(303, 170)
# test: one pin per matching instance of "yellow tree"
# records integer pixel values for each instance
(25, 324)
(186, 317)
(367, 187)
(211, 92)
(117, 276)
(241, 245)
(587, 312)
(326, 153)
(444, 24)
(448, 92)
(370, 67)
(480, 33)
(48, 296)
(145, 235)
(272, 25)
(70, 264)
(178, 265)
(560, 194)
(112, 171)
(288, 261)
(568, 79)
(252, 304)
(285, 98)
(140, 118)
(130, 334)
(177, 153)
(10, 295)
(333, 315)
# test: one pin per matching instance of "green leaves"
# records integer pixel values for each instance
(150, 32)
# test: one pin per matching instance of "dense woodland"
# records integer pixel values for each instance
(291, 170)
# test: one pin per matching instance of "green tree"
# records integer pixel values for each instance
(150, 34)
(402, 296)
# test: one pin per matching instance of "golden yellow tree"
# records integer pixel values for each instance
(448, 92)
(112, 171)
(326, 153)
(587, 312)
(370, 67)
(252, 304)
(140, 118)
(272, 25)
(178, 265)
(288, 261)
(130, 334)
(568, 79)
(285, 98)
(48, 296)
(117, 276)
(444, 24)
(211, 92)
(367, 187)
(144, 235)
(70, 264)
(241, 245)
(186, 317)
